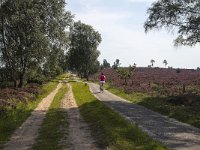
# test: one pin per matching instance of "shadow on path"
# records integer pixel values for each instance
(170, 132)
(24, 137)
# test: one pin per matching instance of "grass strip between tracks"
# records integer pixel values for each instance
(50, 132)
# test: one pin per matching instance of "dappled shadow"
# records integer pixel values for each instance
(168, 131)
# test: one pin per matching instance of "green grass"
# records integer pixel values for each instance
(185, 113)
(134, 97)
(63, 76)
(110, 129)
(15, 117)
(51, 132)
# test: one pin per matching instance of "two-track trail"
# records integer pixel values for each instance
(79, 136)
(24, 137)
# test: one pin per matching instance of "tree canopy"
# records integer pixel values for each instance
(182, 16)
(83, 53)
(105, 64)
(39, 40)
(30, 33)
(116, 64)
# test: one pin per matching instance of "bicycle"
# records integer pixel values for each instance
(101, 86)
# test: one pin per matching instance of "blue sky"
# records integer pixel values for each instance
(120, 23)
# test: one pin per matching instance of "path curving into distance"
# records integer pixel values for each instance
(24, 137)
(170, 132)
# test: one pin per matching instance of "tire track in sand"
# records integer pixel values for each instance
(79, 136)
(24, 137)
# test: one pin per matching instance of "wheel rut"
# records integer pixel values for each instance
(24, 137)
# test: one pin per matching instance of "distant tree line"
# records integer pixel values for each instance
(39, 40)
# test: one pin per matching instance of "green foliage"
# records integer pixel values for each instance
(116, 64)
(32, 37)
(83, 52)
(105, 64)
(51, 131)
(111, 130)
(152, 62)
(165, 62)
(182, 16)
(126, 73)
(95, 67)
(15, 117)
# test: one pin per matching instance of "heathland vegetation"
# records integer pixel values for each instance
(172, 92)
(39, 40)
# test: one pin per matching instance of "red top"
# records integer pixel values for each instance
(102, 78)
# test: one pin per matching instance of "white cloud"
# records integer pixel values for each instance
(125, 39)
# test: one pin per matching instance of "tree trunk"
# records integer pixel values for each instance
(183, 90)
(21, 80)
(15, 83)
(86, 75)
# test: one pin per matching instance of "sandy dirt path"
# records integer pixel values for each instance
(78, 136)
(24, 137)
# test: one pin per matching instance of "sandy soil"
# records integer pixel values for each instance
(78, 136)
(24, 137)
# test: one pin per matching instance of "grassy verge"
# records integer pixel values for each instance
(51, 131)
(15, 117)
(165, 105)
(109, 128)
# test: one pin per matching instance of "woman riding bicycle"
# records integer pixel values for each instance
(102, 79)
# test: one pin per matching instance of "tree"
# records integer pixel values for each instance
(83, 52)
(95, 67)
(105, 64)
(182, 16)
(152, 62)
(126, 73)
(30, 32)
(165, 62)
(116, 64)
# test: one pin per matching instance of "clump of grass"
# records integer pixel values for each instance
(51, 132)
(110, 129)
(15, 117)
